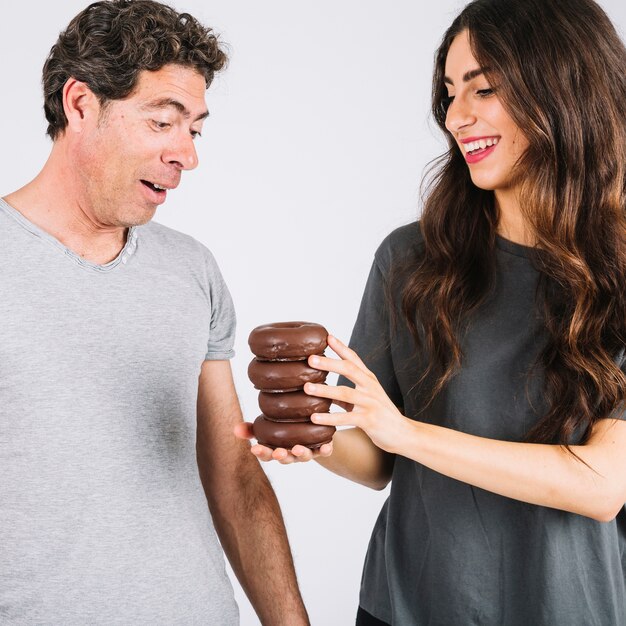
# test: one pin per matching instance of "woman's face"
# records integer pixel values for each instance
(486, 134)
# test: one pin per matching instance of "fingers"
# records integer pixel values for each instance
(266, 454)
(337, 419)
(303, 454)
(325, 449)
(298, 454)
(243, 430)
(261, 452)
(346, 406)
(356, 372)
(346, 395)
(349, 364)
(341, 350)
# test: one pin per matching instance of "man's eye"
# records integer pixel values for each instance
(195, 134)
(161, 125)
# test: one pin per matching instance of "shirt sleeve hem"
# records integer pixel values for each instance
(219, 356)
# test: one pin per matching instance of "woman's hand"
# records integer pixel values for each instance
(368, 407)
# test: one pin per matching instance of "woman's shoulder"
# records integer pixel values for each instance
(399, 245)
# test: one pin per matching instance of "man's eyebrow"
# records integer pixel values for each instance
(467, 76)
(165, 103)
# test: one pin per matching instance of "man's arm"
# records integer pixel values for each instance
(243, 504)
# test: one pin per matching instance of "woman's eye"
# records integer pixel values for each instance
(483, 93)
(446, 101)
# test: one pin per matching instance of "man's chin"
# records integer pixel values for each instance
(139, 218)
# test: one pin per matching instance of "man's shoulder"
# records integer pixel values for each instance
(168, 240)
(178, 249)
(165, 234)
(401, 243)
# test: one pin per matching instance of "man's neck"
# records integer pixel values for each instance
(52, 202)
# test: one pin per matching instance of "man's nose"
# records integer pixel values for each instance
(182, 153)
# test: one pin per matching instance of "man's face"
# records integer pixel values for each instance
(140, 146)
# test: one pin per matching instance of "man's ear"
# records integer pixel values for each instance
(80, 104)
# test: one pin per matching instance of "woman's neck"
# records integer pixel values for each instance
(512, 224)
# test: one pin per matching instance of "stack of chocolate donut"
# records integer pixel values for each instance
(280, 370)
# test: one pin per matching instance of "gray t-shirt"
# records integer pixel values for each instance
(444, 553)
(103, 519)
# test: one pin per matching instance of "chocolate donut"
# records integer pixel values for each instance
(293, 406)
(287, 341)
(287, 435)
(279, 376)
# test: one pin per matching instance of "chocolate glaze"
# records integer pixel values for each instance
(287, 435)
(280, 376)
(292, 406)
(287, 341)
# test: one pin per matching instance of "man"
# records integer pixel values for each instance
(117, 404)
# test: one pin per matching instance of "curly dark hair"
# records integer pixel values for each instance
(108, 44)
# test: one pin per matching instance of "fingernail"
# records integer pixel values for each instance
(310, 387)
(315, 360)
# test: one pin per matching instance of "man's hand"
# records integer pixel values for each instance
(298, 454)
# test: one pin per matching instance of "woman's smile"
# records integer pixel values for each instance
(475, 149)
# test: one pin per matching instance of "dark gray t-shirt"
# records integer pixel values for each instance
(444, 553)
(103, 519)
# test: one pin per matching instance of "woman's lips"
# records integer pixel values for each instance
(480, 154)
(477, 148)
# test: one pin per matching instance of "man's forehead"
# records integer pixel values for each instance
(167, 103)
(173, 86)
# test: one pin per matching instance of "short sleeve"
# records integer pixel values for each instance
(371, 336)
(223, 323)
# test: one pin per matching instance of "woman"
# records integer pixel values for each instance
(492, 388)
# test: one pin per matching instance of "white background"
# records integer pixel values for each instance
(317, 141)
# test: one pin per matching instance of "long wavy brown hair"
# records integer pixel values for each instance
(560, 69)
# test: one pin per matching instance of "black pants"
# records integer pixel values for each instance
(363, 618)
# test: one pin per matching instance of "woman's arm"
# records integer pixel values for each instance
(594, 484)
(355, 457)
(548, 475)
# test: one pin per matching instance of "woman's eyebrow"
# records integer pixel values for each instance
(467, 76)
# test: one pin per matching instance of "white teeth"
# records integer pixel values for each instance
(158, 187)
(480, 144)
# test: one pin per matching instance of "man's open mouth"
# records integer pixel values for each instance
(154, 186)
